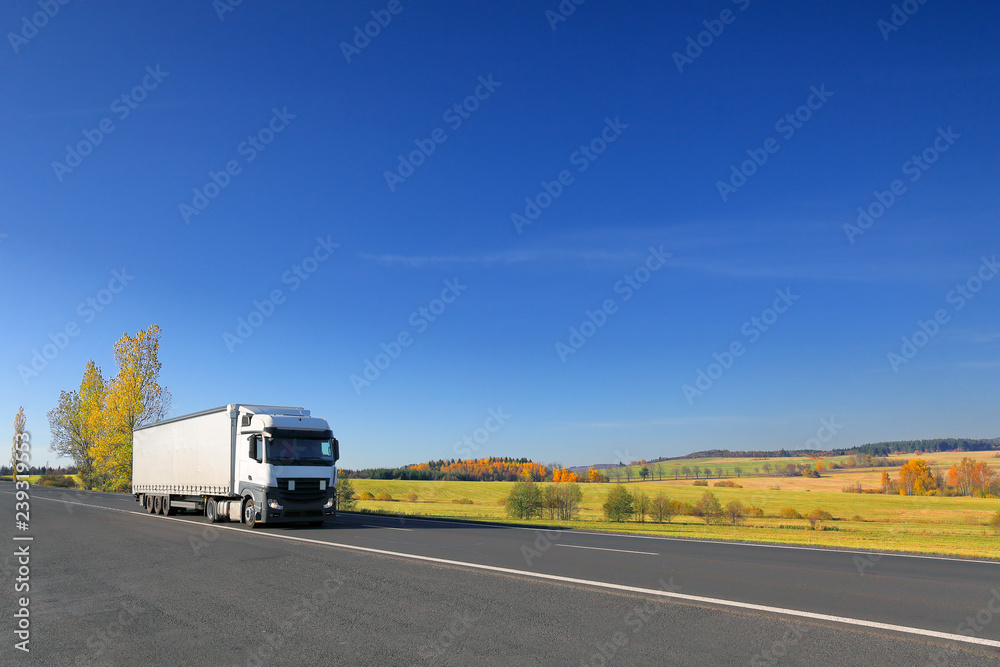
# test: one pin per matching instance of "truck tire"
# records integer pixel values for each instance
(249, 513)
(212, 511)
(157, 505)
(148, 502)
(167, 509)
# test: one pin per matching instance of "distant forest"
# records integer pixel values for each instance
(872, 449)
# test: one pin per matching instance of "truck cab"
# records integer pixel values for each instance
(287, 466)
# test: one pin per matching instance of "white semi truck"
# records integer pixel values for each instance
(249, 463)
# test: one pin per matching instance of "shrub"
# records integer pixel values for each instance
(857, 517)
(618, 506)
(994, 523)
(789, 513)
(853, 488)
(366, 495)
(412, 497)
(461, 501)
(683, 509)
(728, 483)
(60, 481)
(755, 512)
(821, 515)
(383, 496)
(700, 482)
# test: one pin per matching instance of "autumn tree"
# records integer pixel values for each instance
(644, 473)
(739, 471)
(77, 423)
(628, 473)
(618, 506)
(687, 472)
(915, 477)
(886, 482)
(662, 509)
(718, 471)
(596, 476)
(16, 441)
(734, 512)
(641, 503)
(969, 476)
(134, 398)
(708, 507)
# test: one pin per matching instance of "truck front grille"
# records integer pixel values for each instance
(306, 490)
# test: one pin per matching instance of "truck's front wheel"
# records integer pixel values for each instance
(249, 513)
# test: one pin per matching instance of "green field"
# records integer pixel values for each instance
(919, 524)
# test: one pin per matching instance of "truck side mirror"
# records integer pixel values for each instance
(336, 450)
(255, 448)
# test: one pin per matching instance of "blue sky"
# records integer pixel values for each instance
(593, 122)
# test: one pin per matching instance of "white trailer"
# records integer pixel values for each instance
(250, 463)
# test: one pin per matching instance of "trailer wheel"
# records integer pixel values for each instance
(167, 509)
(148, 502)
(157, 505)
(249, 513)
(212, 511)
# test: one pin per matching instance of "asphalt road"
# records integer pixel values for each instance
(111, 585)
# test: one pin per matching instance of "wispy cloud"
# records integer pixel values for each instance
(500, 258)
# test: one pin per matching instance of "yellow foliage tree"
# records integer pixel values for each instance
(77, 423)
(915, 477)
(134, 398)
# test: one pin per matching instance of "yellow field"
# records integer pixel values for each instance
(921, 524)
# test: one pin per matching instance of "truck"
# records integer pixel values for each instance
(259, 464)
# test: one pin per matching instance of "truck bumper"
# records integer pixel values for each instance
(291, 511)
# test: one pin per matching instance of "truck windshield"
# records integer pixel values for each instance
(299, 452)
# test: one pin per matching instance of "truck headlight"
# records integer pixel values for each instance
(329, 503)
(273, 504)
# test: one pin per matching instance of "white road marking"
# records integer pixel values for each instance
(572, 580)
(621, 551)
(371, 525)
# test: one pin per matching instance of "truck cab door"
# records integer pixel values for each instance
(252, 469)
